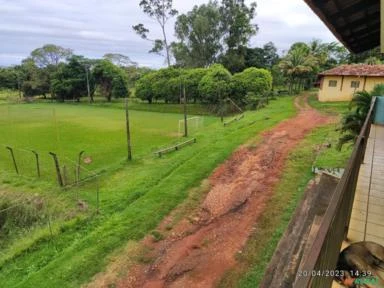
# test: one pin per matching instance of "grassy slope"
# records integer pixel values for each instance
(131, 206)
(297, 172)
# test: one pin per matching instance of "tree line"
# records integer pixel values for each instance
(212, 34)
(220, 31)
(56, 72)
(204, 85)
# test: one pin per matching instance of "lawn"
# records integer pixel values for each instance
(69, 129)
(134, 197)
(335, 108)
(330, 157)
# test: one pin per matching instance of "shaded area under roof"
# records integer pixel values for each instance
(356, 70)
(356, 23)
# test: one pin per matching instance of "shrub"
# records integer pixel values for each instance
(192, 78)
(254, 80)
(163, 84)
(111, 79)
(215, 85)
(143, 87)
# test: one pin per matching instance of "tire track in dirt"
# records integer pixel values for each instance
(202, 247)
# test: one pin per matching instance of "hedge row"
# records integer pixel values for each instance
(202, 85)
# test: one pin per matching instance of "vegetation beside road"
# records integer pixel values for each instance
(130, 206)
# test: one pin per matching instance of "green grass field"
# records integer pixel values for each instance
(69, 129)
(134, 197)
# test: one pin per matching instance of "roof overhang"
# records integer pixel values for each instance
(356, 23)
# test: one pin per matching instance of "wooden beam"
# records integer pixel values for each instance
(382, 25)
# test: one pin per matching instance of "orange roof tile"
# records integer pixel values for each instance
(356, 70)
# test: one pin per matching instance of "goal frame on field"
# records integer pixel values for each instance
(194, 123)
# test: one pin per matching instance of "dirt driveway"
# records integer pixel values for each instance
(202, 247)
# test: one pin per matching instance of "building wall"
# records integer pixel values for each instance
(343, 90)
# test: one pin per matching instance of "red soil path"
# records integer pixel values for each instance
(199, 251)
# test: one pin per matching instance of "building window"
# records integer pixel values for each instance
(355, 84)
(332, 83)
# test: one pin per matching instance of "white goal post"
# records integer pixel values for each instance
(194, 124)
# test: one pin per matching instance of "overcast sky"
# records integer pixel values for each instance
(95, 27)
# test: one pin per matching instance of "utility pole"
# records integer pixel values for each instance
(185, 113)
(221, 107)
(129, 147)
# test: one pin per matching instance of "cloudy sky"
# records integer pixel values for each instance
(95, 27)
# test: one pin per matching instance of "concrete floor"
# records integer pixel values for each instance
(367, 220)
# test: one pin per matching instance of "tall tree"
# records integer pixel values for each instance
(297, 65)
(50, 54)
(265, 57)
(111, 80)
(237, 29)
(236, 22)
(120, 60)
(215, 32)
(161, 11)
(35, 80)
(71, 79)
(199, 36)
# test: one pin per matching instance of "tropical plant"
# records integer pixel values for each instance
(353, 121)
(297, 66)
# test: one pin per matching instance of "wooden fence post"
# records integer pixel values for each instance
(57, 167)
(13, 159)
(37, 163)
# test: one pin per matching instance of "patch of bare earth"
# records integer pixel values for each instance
(202, 247)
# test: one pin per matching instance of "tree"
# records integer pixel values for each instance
(35, 80)
(111, 80)
(251, 80)
(192, 79)
(237, 29)
(9, 78)
(161, 11)
(215, 86)
(70, 80)
(120, 60)
(143, 87)
(134, 73)
(50, 54)
(297, 65)
(265, 57)
(236, 18)
(199, 36)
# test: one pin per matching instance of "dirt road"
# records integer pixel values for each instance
(202, 248)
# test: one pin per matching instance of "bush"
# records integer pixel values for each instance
(143, 87)
(111, 79)
(251, 80)
(215, 85)
(163, 84)
(166, 85)
(192, 78)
